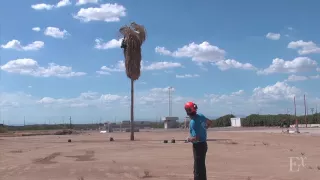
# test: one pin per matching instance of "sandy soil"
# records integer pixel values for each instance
(231, 156)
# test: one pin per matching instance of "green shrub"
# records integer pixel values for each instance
(268, 120)
(3, 130)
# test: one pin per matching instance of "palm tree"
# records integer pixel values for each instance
(133, 38)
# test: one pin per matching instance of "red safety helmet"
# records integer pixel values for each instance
(191, 108)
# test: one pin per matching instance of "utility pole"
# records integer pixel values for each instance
(170, 101)
(317, 113)
(231, 110)
(305, 110)
(312, 119)
(24, 120)
(288, 117)
(295, 115)
(70, 125)
(295, 107)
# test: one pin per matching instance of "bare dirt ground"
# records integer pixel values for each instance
(231, 156)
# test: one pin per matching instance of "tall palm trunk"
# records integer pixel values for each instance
(134, 36)
(132, 112)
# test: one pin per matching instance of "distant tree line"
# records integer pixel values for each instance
(35, 127)
(223, 121)
(267, 120)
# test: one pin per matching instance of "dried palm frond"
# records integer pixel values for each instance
(142, 32)
(134, 36)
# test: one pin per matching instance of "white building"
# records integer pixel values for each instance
(170, 122)
(186, 122)
(235, 122)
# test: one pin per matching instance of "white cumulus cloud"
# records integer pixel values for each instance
(43, 6)
(114, 43)
(55, 32)
(162, 51)
(161, 65)
(63, 3)
(85, 99)
(205, 53)
(233, 64)
(37, 29)
(187, 76)
(304, 47)
(120, 67)
(273, 36)
(83, 2)
(32, 68)
(201, 53)
(15, 44)
(230, 98)
(296, 78)
(106, 12)
(299, 64)
(278, 91)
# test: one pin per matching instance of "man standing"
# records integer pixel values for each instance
(198, 136)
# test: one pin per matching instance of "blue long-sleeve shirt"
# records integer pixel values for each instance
(197, 127)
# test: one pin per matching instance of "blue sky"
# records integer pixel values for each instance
(62, 58)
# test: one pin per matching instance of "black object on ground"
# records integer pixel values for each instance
(165, 141)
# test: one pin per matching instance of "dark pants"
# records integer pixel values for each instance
(199, 155)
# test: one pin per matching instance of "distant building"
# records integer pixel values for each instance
(125, 122)
(235, 122)
(186, 122)
(125, 126)
(170, 122)
(137, 124)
